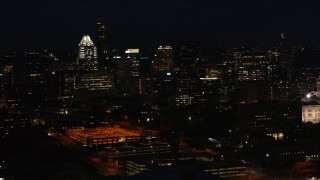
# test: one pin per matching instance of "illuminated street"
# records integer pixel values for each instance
(98, 159)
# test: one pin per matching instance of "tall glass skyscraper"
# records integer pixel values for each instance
(87, 58)
(163, 60)
(102, 42)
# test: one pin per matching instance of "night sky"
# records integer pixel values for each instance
(60, 24)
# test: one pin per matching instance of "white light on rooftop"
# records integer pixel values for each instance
(86, 41)
(132, 51)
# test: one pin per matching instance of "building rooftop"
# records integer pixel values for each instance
(86, 41)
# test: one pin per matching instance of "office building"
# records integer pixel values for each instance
(187, 78)
(311, 113)
(188, 57)
(134, 56)
(87, 58)
(162, 76)
(163, 60)
(101, 43)
(94, 82)
(285, 59)
(251, 64)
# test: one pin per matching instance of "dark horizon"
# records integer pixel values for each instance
(61, 24)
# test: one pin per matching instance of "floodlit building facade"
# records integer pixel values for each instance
(87, 58)
(311, 113)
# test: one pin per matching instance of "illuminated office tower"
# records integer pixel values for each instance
(135, 83)
(187, 80)
(163, 60)
(133, 55)
(99, 81)
(102, 42)
(162, 76)
(87, 54)
(66, 92)
(126, 69)
(251, 64)
(273, 66)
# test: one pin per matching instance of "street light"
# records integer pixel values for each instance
(308, 96)
(267, 155)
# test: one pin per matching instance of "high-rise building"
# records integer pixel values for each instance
(163, 87)
(162, 74)
(251, 64)
(2, 90)
(187, 57)
(133, 55)
(121, 66)
(102, 42)
(99, 81)
(187, 79)
(273, 66)
(87, 54)
(163, 60)
(285, 59)
(67, 89)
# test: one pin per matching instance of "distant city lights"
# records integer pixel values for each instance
(132, 51)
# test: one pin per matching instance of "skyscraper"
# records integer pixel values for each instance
(134, 56)
(102, 42)
(187, 80)
(162, 74)
(188, 58)
(285, 58)
(163, 60)
(251, 64)
(97, 81)
(87, 58)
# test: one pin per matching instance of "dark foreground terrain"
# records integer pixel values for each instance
(35, 155)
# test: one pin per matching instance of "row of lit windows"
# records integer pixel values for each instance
(311, 110)
(292, 153)
(312, 115)
(312, 156)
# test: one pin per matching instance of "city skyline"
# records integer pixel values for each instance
(171, 89)
(147, 24)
